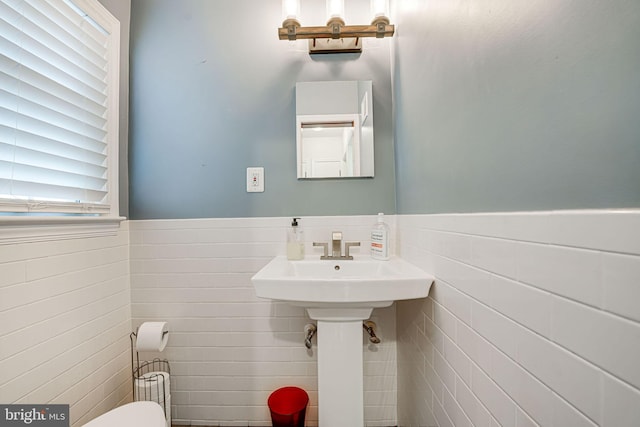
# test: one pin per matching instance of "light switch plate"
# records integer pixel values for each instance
(255, 180)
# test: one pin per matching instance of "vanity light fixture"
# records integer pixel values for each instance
(336, 36)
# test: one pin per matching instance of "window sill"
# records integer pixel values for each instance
(21, 229)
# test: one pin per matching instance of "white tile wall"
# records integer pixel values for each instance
(65, 322)
(533, 320)
(228, 349)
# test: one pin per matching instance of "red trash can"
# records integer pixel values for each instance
(288, 406)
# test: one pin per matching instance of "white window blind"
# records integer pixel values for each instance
(58, 130)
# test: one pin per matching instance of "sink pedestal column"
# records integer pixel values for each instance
(340, 366)
(340, 374)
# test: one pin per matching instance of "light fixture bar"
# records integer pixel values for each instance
(346, 31)
(336, 36)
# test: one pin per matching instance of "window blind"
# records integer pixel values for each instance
(53, 108)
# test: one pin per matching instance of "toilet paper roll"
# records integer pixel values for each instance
(152, 336)
(145, 391)
(154, 386)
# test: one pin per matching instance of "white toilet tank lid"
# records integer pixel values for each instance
(135, 414)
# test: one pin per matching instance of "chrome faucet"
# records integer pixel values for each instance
(336, 247)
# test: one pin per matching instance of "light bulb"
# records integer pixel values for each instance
(290, 9)
(379, 9)
(335, 9)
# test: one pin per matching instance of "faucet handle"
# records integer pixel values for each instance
(336, 244)
(325, 246)
(348, 245)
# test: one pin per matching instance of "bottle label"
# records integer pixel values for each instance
(379, 244)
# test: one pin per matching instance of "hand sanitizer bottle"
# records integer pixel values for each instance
(295, 241)
(380, 239)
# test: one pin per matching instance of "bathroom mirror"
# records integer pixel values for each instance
(334, 129)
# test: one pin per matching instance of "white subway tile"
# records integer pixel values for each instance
(526, 305)
(434, 382)
(471, 405)
(25, 339)
(495, 255)
(444, 320)
(608, 341)
(621, 403)
(529, 394)
(475, 347)
(380, 398)
(587, 257)
(570, 272)
(192, 280)
(444, 371)
(566, 415)
(454, 301)
(523, 420)
(197, 274)
(204, 310)
(454, 411)
(521, 226)
(200, 265)
(40, 311)
(493, 398)
(441, 416)
(213, 235)
(50, 266)
(11, 274)
(57, 359)
(416, 240)
(379, 382)
(495, 327)
(472, 281)
(208, 250)
(577, 381)
(425, 346)
(527, 226)
(49, 287)
(450, 245)
(194, 295)
(621, 275)
(459, 361)
(435, 335)
(613, 230)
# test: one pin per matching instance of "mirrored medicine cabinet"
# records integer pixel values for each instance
(334, 129)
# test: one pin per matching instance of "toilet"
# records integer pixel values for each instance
(135, 414)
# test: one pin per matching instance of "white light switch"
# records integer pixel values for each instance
(255, 180)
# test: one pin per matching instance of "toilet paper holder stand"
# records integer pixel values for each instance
(150, 378)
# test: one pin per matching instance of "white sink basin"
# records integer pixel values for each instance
(359, 283)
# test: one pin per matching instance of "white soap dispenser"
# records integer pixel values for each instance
(380, 239)
(295, 241)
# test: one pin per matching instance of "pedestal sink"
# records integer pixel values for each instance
(339, 295)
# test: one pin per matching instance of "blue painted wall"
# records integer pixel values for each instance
(499, 106)
(517, 105)
(212, 93)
